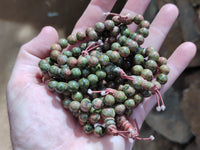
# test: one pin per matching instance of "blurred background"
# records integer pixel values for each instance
(178, 128)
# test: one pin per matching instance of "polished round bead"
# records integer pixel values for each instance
(85, 72)
(147, 74)
(72, 39)
(114, 57)
(61, 87)
(108, 112)
(76, 51)
(86, 105)
(162, 61)
(164, 69)
(72, 86)
(146, 93)
(138, 19)
(129, 103)
(71, 62)
(132, 45)
(97, 103)
(157, 84)
(149, 49)
(154, 55)
(84, 83)
(66, 102)
(129, 18)
(115, 31)
(162, 78)
(88, 128)
(109, 24)
(65, 72)
(93, 35)
(122, 40)
(83, 118)
(80, 35)
(54, 54)
(120, 109)
(152, 65)
(56, 47)
(67, 53)
(137, 69)
(77, 96)
(100, 74)
(62, 59)
(116, 20)
(138, 59)
(96, 53)
(63, 43)
(139, 39)
(52, 85)
(94, 118)
(126, 32)
(138, 98)
(128, 90)
(133, 35)
(120, 96)
(144, 24)
(93, 61)
(99, 131)
(88, 30)
(75, 73)
(99, 27)
(109, 100)
(115, 46)
(144, 32)
(54, 71)
(82, 62)
(93, 79)
(44, 66)
(124, 51)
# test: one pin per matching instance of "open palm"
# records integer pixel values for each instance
(36, 116)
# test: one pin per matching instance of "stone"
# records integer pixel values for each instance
(170, 123)
(190, 105)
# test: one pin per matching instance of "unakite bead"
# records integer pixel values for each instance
(152, 65)
(154, 55)
(164, 69)
(150, 49)
(61, 59)
(54, 54)
(52, 85)
(109, 24)
(115, 31)
(115, 46)
(139, 39)
(77, 96)
(133, 35)
(67, 53)
(162, 61)
(44, 66)
(75, 73)
(86, 105)
(83, 117)
(63, 43)
(97, 103)
(82, 62)
(76, 51)
(54, 71)
(93, 79)
(61, 87)
(138, 98)
(138, 59)
(129, 103)
(72, 39)
(99, 27)
(128, 90)
(83, 46)
(116, 20)
(71, 62)
(124, 51)
(162, 78)
(99, 131)
(72, 86)
(88, 30)
(126, 32)
(122, 40)
(144, 32)
(93, 61)
(49, 60)
(129, 18)
(120, 96)
(101, 74)
(138, 19)
(66, 102)
(137, 69)
(147, 74)
(85, 72)
(114, 57)
(94, 118)
(88, 128)
(144, 24)
(80, 35)
(93, 35)
(65, 72)
(84, 83)
(109, 100)
(120, 109)
(56, 47)
(132, 45)
(146, 93)
(108, 112)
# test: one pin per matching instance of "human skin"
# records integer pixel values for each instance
(37, 119)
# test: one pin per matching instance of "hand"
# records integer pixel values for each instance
(37, 119)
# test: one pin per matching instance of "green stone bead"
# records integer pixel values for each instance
(138, 83)
(66, 102)
(139, 39)
(146, 93)
(115, 31)
(44, 66)
(65, 72)
(61, 87)
(108, 112)
(63, 43)
(162, 78)
(101, 74)
(78, 96)
(74, 106)
(147, 74)
(72, 39)
(97, 103)
(86, 105)
(54, 54)
(137, 69)
(82, 62)
(164, 69)
(138, 98)
(128, 90)
(132, 45)
(93, 35)
(157, 84)
(120, 109)
(144, 24)
(120, 96)
(83, 117)
(109, 24)
(116, 20)
(138, 59)
(144, 32)
(99, 131)
(85, 72)
(152, 65)
(114, 57)
(75, 73)
(104, 60)
(129, 103)
(126, 32)
(49, 60)
(93, 61)
(96, 53)
(124, 51)
(94, 118)
(52, 85)
(54, 71)
(122, 40)
(80, 35)
(84, 83)
(138, 19)
(162, 61)
(72, 61)
(76, 51)
(83, 46)
(88, 30)
(99, 27)
(153, 55)
(93, 79)
(62, 59)
(67, 53)
(88, 128)
(133, 35)
(129, 18)
(150, 49)
(72, 86)
(148, 85)
(56, 47)
(115, 46)
(109, 100)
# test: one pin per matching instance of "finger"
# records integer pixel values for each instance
(161, 26)
(135, 7)
(94, 13)
(39, 47)
(177, 63)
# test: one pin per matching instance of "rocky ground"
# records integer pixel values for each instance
(21, 20)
